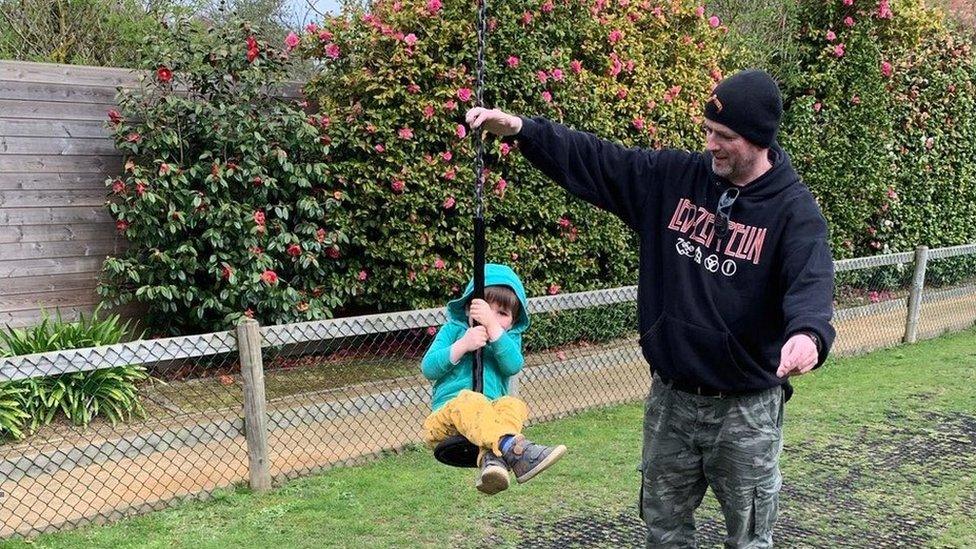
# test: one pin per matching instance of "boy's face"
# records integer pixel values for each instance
(503, 316)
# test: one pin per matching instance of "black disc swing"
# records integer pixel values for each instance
(458, 451)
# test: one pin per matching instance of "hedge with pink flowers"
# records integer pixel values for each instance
(882, 124)
(237, 204)
(393, 90)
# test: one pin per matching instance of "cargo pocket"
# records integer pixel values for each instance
(764, 507)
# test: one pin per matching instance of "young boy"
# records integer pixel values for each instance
(493, 420)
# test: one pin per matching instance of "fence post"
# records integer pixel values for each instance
(255, 413)
(915, 297)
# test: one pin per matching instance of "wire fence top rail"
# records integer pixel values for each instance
(196, 346)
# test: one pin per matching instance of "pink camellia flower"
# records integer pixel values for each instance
(449, 203)
(576, 66)
(294, 250)
(460, 131)
(700, 11)
(515, 256)
(447, 156)
(547, 97)
(450, 105)
(513, 61)
(884, 10)
(431, 331)
(849, 21)
(848, 2)
(504, 149)
(542, 76)
(817, 106)
(398, 186)
(547, 7)
(554, 289)
(714, 21)
(325, 36)
(133, 137)
(434, 6)
(831, 36)
(429, 111)
(163, 74)
(269, 277)
(622, 93)
(320, 235)
(564, 222)
(464, 94)
(874, 296)
(615, 36)
(121, 225)
(115, 117)
(379, 148)
(311, 28)
(886, 68)
(410, 39)
(839, 50)
(615, 65)
(526, 17)
(450, 174)
(405, 133)
(140, 189)
(439, 263)
(291, 41)
(164, 169)
(226, 272)
(332, 51)
(557, 74)
(118, 186)
(501, 186)
(413, 88)
(362, 276)
(259, 218)
(638, 123)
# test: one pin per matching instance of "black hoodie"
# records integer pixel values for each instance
(712, 313)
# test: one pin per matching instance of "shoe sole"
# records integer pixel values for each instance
(553, 457)
(493, 479)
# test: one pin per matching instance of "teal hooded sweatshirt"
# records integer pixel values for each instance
(502, 358)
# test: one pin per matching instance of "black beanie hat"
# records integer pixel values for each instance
(748, 102)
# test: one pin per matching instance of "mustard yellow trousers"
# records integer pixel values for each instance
(483, 422)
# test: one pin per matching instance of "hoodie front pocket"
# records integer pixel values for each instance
(685, 351)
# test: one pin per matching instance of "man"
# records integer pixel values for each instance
(735, 294)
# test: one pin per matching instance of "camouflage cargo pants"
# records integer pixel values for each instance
(692, 442)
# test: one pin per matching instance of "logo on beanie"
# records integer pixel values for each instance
(718, 103)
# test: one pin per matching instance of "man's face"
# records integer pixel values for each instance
(733, 156)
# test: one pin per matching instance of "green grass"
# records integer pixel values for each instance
(850, 431)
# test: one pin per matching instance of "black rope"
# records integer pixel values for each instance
(478, 373)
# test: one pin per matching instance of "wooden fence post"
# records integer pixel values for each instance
(255, 412)
(915, 297)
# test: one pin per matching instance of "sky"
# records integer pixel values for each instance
(301, 8)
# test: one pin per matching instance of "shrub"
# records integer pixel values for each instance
(395, 84)
(881, 124)
(224, 198)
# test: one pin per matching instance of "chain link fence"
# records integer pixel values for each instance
(264, 404)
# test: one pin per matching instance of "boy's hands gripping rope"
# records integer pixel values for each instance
(482, 313)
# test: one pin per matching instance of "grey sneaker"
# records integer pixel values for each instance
(527, 459)
(494, 474)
